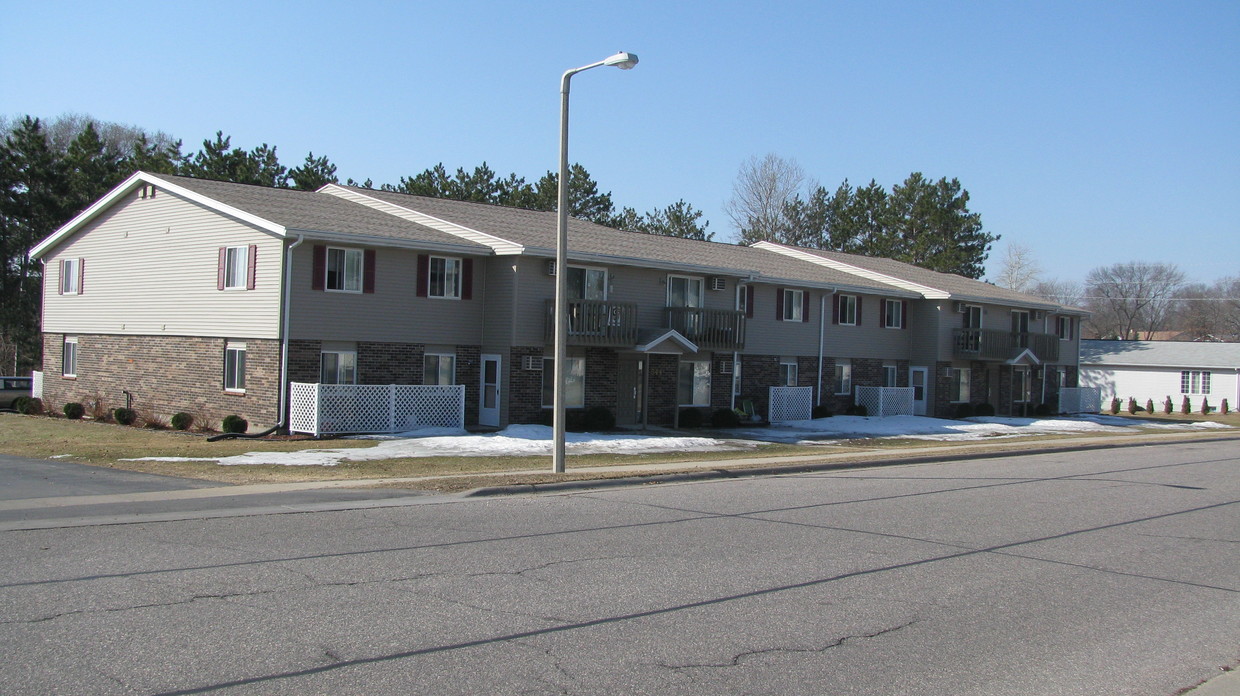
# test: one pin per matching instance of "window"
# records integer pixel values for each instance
(69, 357)
(439, 369)
(893, 314)
(70, 276)
(236, 267)
(972, 317)
(445, 278)
(1194, 382)
(1063, 327)
(736, 378)
(794, 305)
(338, 367)
(1021, 385)
(234, 367)
(574, 383)
(958, 391)
(847, 309)
(693, 385)
(890, 378)
(843, 376)
(683, 291)
(587, 283)
(344, 270)
(788, 372)
(742, 298)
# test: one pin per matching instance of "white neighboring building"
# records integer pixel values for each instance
(1158, 369)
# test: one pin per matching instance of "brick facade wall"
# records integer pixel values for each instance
(524, 386)
(661, 402)
(165, 374)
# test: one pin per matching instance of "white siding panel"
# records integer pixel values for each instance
(151, 269)
(1142, 383)
(870, 339)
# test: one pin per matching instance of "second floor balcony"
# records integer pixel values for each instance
(616, 325)
(710, 329)
(999, 345)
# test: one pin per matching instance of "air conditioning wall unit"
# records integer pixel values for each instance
(1036, 314)
(551, 267)
(718, 283)
(725, 367)
(959, 307)
(533, 362)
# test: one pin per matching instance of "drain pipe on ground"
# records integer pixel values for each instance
(284, 324)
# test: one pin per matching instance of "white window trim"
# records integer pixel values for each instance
(898, 311)
(794, 303)
(846, 364)
(234, 347)
(603, 270)
(742, 297)
(440, 357)
(338, 352)
(1063, 327)
(241, 281)
(701, 283)
(894, 372)
(344, 277)
(856, 299)
(696, 370)
(549, 370)
(430, 280)
(966, 376)
(69, 340)
(71, 270)
(794, 372)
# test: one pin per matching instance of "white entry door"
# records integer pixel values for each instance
(917, 380)
(488, 402)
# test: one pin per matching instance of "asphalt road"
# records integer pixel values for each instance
(1110, 572)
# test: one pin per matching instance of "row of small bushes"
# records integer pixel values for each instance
(1186, 406)
(588, 420)
(74, 410)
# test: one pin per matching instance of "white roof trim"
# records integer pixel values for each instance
(671, 335)
(924, 290)
(132, 183)
(1026, 353)
(501, 247)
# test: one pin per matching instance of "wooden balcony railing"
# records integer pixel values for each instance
(710, 329)
(994, 344)
(596, 323)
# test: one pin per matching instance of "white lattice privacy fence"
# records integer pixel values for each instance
(36, 384)
(328, 409)
(886, 401)
(791, 403)
(1080, 399)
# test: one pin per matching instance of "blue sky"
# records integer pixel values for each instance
(1092, 132)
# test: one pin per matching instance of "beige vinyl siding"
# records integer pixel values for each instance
(148, 260)
(766, 335)
(499, 319)
(926, 338)
(869, 339)
(392, 313)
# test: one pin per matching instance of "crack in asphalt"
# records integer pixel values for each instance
(737, 658)
(544, 566)
(154, 605)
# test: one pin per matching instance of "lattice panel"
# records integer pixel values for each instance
(886, 401)
(791, 403)
(1080, 400)
(374, 408)
(36, 385)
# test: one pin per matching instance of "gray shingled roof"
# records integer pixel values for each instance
(310, 212)
(536, 230)
(1161, 354)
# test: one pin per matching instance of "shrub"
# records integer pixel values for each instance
(964, 410)
(1186, 407)
(1132, 406)
(1167, 407)
(152, 421)
(599, 418)
(234, 424)
(98, 411)
(1205, 406)
(1114, 405)
(32, 407)
(182, 420)
(691, 418)
(725, 418)
(1149, 405)
(74, 411)
(1042, 410)
(856, 410)
(985, 409)
(18, 403)
(125, 416)
(821, 411)
(1224, 409)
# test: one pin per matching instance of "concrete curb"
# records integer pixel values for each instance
(1226, 684)
(801, 467)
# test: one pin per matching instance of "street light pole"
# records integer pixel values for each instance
(624, 61)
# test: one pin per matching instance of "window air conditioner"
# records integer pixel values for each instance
(959, 307)
(725, 367)
(718, 283)
(533, 362)
(551, 267)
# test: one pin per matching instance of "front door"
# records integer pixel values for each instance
(917, 380)
(630, 383)
(488, 402)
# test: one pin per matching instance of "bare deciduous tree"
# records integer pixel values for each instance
(1018, 270)
(763, 187)
(1132, 300)
(1065, 292)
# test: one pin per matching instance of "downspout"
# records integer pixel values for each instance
(822, 331)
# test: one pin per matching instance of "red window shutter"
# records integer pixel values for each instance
(858, 317)
(467, 279)
(805, 306)
(779, 304)
(368, 271)
(81, 276)
(904, 314)
(251, 277)
(424, 274)
(319, 270)
(219, 269)
(60, 286)
(835, 308)
(749, 301)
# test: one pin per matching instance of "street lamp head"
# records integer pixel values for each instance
(622, 60)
